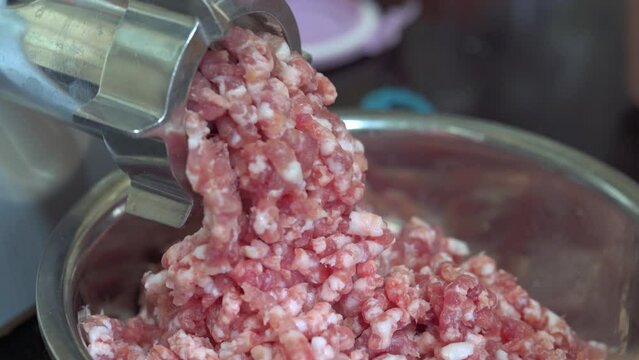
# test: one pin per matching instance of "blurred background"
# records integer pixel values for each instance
(561, 68)
(566, 69)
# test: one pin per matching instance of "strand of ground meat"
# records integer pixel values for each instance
(287, 266)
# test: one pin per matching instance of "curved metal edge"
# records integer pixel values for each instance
(120, 104)
(159, 176)
(279, 17)
(50, 291)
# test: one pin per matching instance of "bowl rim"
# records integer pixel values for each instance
(579, 166)
(56, 266)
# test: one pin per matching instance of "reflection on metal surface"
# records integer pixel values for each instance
(546, 212)
(121, 70)
(142, 202)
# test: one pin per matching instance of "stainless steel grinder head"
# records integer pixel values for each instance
(122, 70)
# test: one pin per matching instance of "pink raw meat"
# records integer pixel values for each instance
(287, 266)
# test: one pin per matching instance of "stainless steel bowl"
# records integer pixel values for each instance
(565, 224)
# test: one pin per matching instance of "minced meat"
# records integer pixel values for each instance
(286, 264)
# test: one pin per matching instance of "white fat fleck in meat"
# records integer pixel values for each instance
(101, 333)
(336, 283)
(186, 275)
(474, 339)
(245, 117)
(457, 351)
(329, 260)
(258, 165)
(460, 290)
(469, 315)
(321, 348)
(278, 250)
(365, 224)
(426, 270)
(342, 183)
(451, 333)
(508, 310)
(325, 123)
(209, 287)
(100, 350)
(266, 111)
(458, 247)
(308, 225)
(351, 302)
(194, 143)
(487, 269)
(319, 244)
(290, 75)
(293, 307)
(341, 240)
(409, 248)
(256, 87)
(552, 318)
(197, 131)
(442, 258)
(283, 52)
(235, 139)
(200, 252)
(347, 145)
(394, 225)
(501, 355)
(416, 304)
(484, 299)
(300, 324)
(533, 309)
(374, 248)
(263, 222)
(190, 347)
(221, 84)
(303, 260)
(258, 250)
(101, 339)
(328, 294)
(155, 280)
(236, 92)
(293, 173)
(544, 336)
(174, 324)
(384, 326)
(279, 87)
(327, 146)
(373, 312)
(194, 178)
(290, 236)
(210, 95)
(262, 352)
(391, 357)
(306, 109)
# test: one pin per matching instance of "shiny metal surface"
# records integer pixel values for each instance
(121, 70)
(565, 224)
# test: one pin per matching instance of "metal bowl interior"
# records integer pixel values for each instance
(565, 224)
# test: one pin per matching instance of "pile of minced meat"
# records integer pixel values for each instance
(287, 266)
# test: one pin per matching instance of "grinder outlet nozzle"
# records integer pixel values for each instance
(122, 70)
